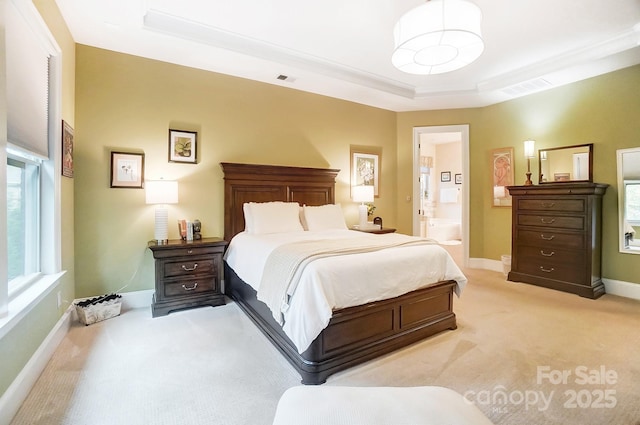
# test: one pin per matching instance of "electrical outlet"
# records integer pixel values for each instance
(59, 299)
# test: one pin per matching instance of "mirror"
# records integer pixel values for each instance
(629, 200)
(566, 164)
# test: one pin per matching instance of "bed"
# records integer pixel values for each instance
(354, 334)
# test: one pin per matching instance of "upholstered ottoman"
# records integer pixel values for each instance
(327, 405)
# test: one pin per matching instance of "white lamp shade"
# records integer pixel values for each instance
(529, 148)
(362, 193)
(437, 37)
(161, 192)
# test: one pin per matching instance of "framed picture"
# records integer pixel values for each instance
(127, 170)
(183, 146)
(458, 178)
(561, 177)
(365, 167)
(67, 149)
(445, 176)
(502, 176)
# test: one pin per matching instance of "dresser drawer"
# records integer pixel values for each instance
(547, 238)
(193, 286)
(558, 264)
(189, 267)
(552, 204)
(552, 221)
(550, 255)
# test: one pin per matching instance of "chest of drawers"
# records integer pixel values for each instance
(187, 274)
(556, 236)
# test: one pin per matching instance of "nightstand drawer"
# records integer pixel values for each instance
(552, 204)
(552, 221)
(546, 238)
(189, 286)
(187, 251)
(187, 267)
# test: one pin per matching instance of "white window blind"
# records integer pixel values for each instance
(27, 85)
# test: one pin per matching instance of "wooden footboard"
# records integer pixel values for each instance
(356, 334)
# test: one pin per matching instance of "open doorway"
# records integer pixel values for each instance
(440, 192)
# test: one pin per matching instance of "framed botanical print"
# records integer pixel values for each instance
(183, 146)
(365, 167)
(127, 170)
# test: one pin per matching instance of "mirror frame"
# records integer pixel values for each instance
(540, 155)
(624, 248)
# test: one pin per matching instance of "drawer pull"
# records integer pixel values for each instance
(548, 204)
(195, 285)
(547, 238)
(547, 255)
(547, 222)
(546, 270)
(190, 251)
(187, 269)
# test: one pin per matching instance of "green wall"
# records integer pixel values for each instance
(17, 347)
(603, 110)
(127, 103)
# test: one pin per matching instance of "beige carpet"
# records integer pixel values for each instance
(212, 366)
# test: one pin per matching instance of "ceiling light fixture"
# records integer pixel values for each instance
(437, 37)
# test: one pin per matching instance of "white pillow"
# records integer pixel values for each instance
(324, 217)
(248, 220)
(272, 217)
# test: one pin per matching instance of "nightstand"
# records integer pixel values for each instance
(188, 274)
(376, 231)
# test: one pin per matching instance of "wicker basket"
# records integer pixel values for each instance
(97, 309)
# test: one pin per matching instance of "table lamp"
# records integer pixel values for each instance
(529, 148)
(362, 194)
(161, 193)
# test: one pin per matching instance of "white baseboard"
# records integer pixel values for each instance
(19, 389)
(621, 288)
(137, 299)
(486, 264)
(612, 287)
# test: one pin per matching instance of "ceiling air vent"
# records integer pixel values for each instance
(286, 78)
(537, 84)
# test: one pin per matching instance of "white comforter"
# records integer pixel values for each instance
(341, 281)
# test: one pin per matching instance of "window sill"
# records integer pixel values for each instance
(23, 303)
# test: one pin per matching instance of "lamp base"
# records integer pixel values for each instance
(161, 234)
(528, 182)
(362, 215)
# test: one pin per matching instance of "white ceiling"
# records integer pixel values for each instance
(342, 48)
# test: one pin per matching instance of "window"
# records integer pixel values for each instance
(632, 201)
(30, 162)
(23, 219)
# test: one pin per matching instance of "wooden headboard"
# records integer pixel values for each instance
(266, 183)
